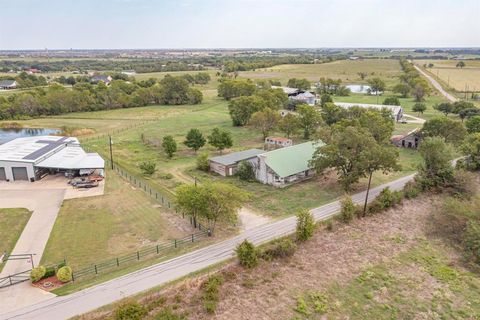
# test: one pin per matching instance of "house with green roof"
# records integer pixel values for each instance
(287, 165)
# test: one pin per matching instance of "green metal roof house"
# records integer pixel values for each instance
(287, 165)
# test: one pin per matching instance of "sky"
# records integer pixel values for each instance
(156, 24)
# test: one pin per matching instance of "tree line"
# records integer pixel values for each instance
(411, 83)
(56, 99)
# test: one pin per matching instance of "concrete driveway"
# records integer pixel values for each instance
(44, 198)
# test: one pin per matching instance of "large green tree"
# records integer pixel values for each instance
(220, 139)
(169, 145)
(309, 119)
(471, 149)
(289, 124)
(242, 109)
(377, 85)
(473, 124)
(453, 131)
(194, 139)
(436, 170)
(265, 121)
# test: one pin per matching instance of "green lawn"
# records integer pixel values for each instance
(346, 70)
(12, 222)
(417, 284)
(97, 228)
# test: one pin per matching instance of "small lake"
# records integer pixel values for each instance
(358, 88)
(7, 134)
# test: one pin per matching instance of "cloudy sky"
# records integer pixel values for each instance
(54, 24)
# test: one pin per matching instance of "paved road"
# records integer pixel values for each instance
(436, 85)
(141, 280)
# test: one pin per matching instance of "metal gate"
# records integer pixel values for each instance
(14, 279)
(3, 176)
(20, 173)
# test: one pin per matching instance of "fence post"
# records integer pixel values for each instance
(175, 241)
(73, 277)
(10, 279)
(193, 237)
(96, 272)
(157, 249)
(138, 255)
(118, 263)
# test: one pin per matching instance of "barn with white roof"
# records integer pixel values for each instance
(30, 158)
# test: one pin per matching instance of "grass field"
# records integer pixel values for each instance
(346, 70)
(93, 229)
(457, 78)
(12, 222)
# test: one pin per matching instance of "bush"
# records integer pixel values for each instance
(49, 272)
(148, 167)
(37, 273)
(472, 240)
(211, 292)
(392, 101)
(348, 209)
(463, 185)
(64, 274)
(411, 190)
(130, 311)
(247, 254)
(202, 162)
(167, 176)
(167, 314)
(305, 225)
(280, 249)
(245, 171)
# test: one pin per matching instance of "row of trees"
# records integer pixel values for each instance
(332, 87)
(57, 99)
(463, 109)
(411, 83)
(25, 80)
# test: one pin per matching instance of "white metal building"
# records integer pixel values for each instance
(397, 111)
(32, 157)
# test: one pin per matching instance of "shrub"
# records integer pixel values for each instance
(167, 176)
(49, 272)
(37, 273)
(148, 167)
(202, 162)
(472, 240)
(280, 249)
(463, 185)
(247, 254)
(385, 200)
(130, 311)
(347, 211)
(167, 314)
(211, 292)
(245, 171)
(393, 101)
(305, 225)
(64, 274)
(411, 190)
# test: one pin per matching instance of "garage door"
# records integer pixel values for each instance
(20, 173)
(3, 177)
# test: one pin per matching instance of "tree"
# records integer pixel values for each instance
(444, 107)
(420, 90)
(229, 89)
(473, 124)
(347, 211)
(325, 98)
(302, 84)
(223, 201)
(453, 131)
(169, 145)
(247, 254)
(471, 149)
(148, 167)
(391, 101)
(362, 75)
(419, 107)
(194, 139)
(245, 171)
(289, 124)
(377, 85)
(174, 90)
(435, 171)
(468, 113)
(460, 64)
(459, 107)
(332, 113)
(220, 139)
(305, 225)
(265, 121)
(403, 89)
(191, 200)
(242, 109)
(202, 162)
(309, 119)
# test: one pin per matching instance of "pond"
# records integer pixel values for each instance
(358, 88)
(7, 134)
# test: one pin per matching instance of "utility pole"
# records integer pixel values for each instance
(111, 152)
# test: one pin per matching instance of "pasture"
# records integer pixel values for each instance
(346, 70)
(456, 78)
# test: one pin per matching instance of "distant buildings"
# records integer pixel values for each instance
(226, 165)
(409, 140)
(8, 84)
(277, 142)
(298, 95)
(397, 111)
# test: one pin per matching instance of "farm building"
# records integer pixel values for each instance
(409, 140)
(31, 158)
(227, 165)
(298, 95)
(287, 165)
(277, 142)
(397, 111)
(8, 84)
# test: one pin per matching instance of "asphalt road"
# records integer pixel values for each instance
(162, 273)
(436, 85)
